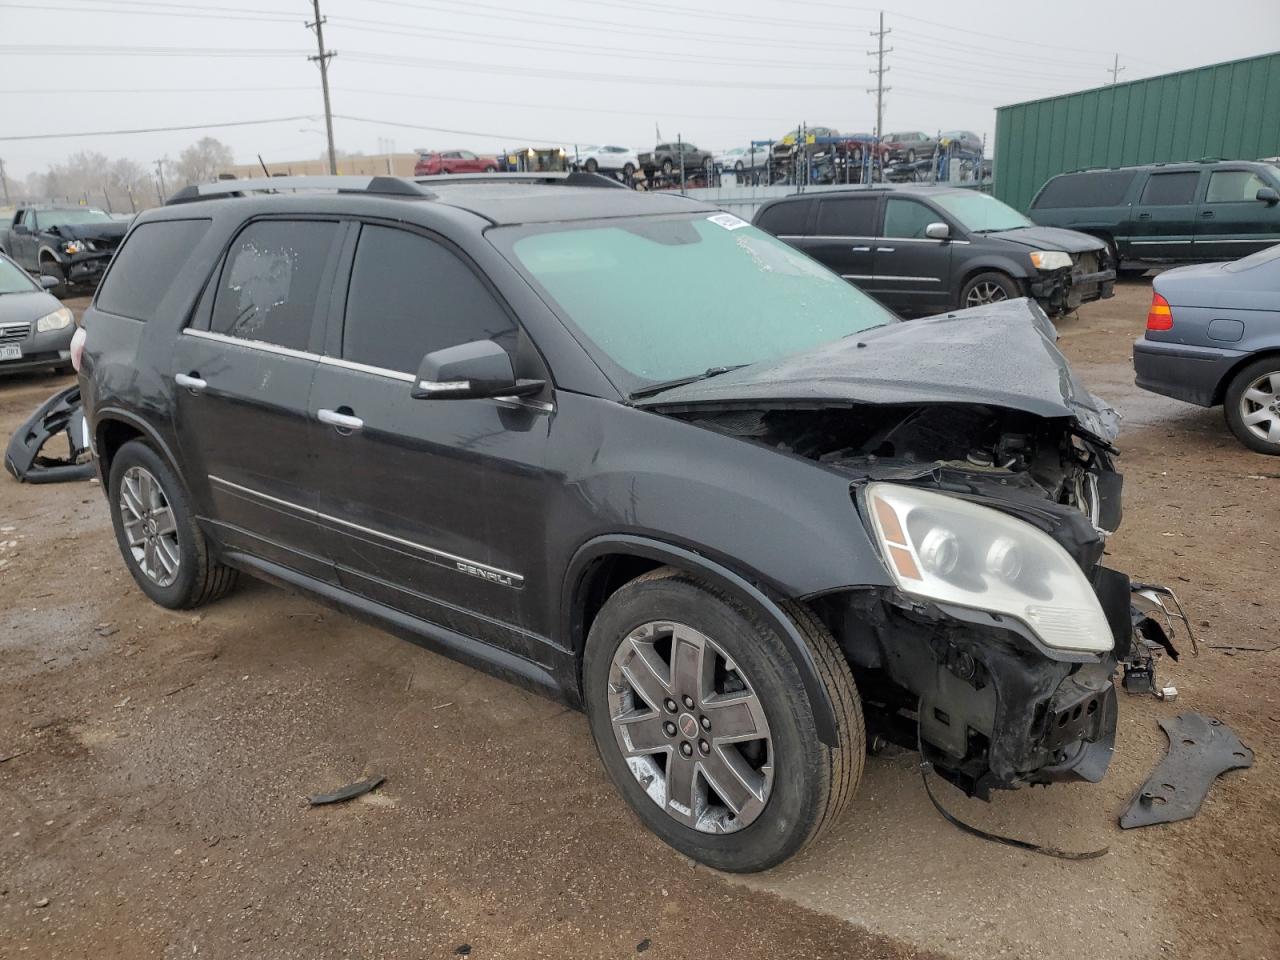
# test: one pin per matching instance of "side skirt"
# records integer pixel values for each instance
(467, 650)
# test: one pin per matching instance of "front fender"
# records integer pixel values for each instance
(717, 575)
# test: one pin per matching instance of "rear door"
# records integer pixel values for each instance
(243, 371)
(912, 271)
(1232, 222)
(1163, 222)
(433, 507)
(842, 237)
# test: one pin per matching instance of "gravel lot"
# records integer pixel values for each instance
(154, 768)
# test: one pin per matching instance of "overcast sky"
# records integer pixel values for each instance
(495, 73)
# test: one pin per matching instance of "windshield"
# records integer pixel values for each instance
(665, 298)
(980, 212)
(59, 218)
(13, 279)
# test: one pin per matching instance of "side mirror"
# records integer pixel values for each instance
(470, 371)
(21, 228)
(48, 282)
(1267, 195)
(938, 231)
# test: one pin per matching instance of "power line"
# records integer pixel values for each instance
(27, 50)
(120, 133)
(186, 15)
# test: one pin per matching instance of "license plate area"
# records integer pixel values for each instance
(10, 351)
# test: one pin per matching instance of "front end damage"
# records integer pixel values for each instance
(993, 697)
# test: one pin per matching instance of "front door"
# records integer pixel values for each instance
(1232, 222)
(24, 244)
(1163, 221)
(912, 271)
(433, 507)
(843, 237)
(243, 372)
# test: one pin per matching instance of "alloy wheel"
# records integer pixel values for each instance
(985, 292)
(149, 526)
(1260, 407)
(691, 728)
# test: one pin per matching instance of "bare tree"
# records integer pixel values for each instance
(202, 162)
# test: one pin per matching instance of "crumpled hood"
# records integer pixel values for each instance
(1000, 355)
(93, 231)
(1050, 238)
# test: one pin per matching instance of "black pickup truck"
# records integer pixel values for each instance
(73, 245)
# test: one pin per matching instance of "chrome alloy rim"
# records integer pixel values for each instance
(149, 528)
(1260, 407)
(985, 292)
(691, 728)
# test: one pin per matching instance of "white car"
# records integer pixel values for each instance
(740, 159)
(609, 158)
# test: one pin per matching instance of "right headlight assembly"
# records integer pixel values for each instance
(949, 550)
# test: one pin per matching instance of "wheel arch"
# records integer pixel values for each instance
(1220, 391)
(605, 563)
(113, 428)
(47, 252)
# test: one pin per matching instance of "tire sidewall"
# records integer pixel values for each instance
(1231, 404)
(793, 809)
(177, 594)
(1005, 283)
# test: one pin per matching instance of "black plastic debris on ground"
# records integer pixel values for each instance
(34, 454)
(1201, 749)
(349, 792)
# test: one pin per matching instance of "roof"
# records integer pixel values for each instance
(511, 203)
(862, 191)
(1172, 166)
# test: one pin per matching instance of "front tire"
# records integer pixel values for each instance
(700, 717)
(591, 166)
(156, 531)
(987, 288)
(1252, 405)
(51, 268)
(667, 167)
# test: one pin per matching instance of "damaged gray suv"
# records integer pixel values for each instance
(632, 452)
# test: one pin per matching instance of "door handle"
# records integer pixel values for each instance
(344, 422)
(861, 249)
(884, 249)
(1207, 214)
(1144, 216)
(191, 381)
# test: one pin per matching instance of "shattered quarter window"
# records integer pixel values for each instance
(272, 280)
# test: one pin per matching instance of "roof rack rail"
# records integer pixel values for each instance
(573, 178)
(380, 185)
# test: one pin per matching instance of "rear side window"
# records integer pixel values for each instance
(1106, 188)
(145, 267)
(907, 219)
(847, 217)
(272, 280)
(1169, 189)
(1233, 186)
(410, 296)
(785, 219)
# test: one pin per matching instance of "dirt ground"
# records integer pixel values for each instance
(154, 768)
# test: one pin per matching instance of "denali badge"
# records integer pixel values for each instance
(506, 579)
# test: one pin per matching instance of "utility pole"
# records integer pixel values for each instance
(5, 181)
(323, 57)
(164, 192)
(880, 70)
(1116, 70)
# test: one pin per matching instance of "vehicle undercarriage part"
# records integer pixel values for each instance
(26, 457)
(1201, 749)
(349, 792)
(1056, 853)
(1149, 608)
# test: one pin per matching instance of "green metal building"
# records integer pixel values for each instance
(1228, 110)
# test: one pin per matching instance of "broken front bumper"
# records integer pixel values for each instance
(87, 268)
(1063, 291)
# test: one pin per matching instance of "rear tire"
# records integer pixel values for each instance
(629, 170)
(794, 785)
(591, 166)
(1252, 405)
(667, 167)
(182, 572)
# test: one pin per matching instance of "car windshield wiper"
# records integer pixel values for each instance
(707, 374)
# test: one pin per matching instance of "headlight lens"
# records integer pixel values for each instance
(952, 551)
(1050, 259)
(54, 321)
(76, 246)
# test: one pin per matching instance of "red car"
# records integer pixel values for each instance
(453, 161)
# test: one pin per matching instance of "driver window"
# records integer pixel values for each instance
(907, 219)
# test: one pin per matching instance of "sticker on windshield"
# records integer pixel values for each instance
(728, 221)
